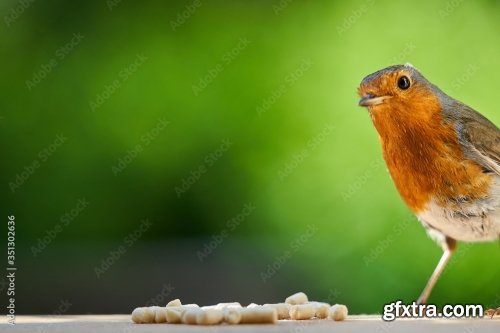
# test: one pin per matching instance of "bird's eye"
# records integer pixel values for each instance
(404, 82)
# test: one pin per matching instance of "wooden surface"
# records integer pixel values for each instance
(372, 323)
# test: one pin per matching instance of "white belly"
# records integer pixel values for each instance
(477, 221)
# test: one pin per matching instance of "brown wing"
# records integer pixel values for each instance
(480, 137)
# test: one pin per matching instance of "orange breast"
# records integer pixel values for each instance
(424, 157)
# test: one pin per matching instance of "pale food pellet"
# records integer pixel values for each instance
(302, 311)
(338, 312)
(208, 307)
(174, 314)
(321, 309)
(258, 315)
(160, 314)
(232, 315)
(228, 305)
(175, 302)
(297, 298)
(189, 316)
(210, 317)
(296, 307)
(283, 309)
(143, 315)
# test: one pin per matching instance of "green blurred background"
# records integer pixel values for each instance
(232, 127)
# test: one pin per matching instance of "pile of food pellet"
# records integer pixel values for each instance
(295, 307)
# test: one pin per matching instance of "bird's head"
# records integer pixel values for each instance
(396, 87)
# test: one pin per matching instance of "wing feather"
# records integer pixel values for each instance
(480, 137)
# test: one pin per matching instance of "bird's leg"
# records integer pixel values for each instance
(449, 246)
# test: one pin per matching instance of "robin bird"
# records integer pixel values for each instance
(443, 157)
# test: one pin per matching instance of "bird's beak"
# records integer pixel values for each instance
(370, 100)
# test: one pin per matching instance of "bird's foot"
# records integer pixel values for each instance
(492, 313)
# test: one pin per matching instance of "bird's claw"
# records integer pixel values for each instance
(492, 312)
